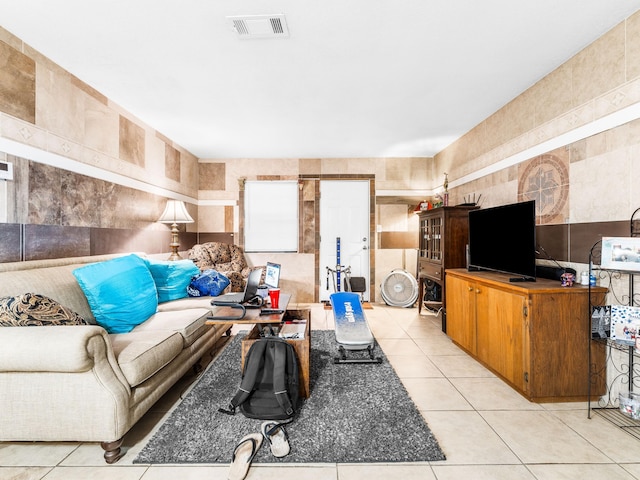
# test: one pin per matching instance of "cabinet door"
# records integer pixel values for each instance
(461, 312)
(436, 227)
(501, 333)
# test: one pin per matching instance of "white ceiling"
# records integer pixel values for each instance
(355, 78)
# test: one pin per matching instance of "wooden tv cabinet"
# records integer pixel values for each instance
(533, 335)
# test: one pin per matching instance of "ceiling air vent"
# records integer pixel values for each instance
(260, 26)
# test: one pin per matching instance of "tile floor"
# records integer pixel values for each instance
(486, 429)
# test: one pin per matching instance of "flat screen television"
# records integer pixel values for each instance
(503, 239)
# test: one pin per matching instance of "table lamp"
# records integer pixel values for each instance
(174, 213)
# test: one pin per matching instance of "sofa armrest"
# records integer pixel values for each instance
(54, 349)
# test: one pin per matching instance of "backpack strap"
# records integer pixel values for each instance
(249, 377)
(279, 376)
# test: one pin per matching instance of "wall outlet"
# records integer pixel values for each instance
(6, 170)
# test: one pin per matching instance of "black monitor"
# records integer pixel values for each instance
(272, 275)
(503, 239)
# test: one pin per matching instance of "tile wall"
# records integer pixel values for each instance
(584, 189)
(587, 186)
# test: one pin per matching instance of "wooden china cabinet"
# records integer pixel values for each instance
(442, 243)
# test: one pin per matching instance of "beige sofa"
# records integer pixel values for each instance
(79, 383)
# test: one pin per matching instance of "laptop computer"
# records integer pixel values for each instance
(250, 291)
(272, 275)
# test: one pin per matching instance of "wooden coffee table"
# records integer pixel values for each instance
(302, 346)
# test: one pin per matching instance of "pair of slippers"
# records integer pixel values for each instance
(274, 433)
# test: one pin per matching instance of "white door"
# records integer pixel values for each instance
(344, 214)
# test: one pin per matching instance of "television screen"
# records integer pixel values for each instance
(503, 239)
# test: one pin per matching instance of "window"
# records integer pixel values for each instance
(271, 216)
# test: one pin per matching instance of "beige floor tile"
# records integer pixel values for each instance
(459, 366)
(438, 344)
(582, 472)
(632, 468)
(92, 454)
(320, 318)
(21, 473)
(385, 330)
(483, 472)
(604, 435)
(414, 366)
(34, 454)
(573, 406)
(300, 472)
(491, 394)
(422, 329)
(385, 472)
(93, 473)
(435, 394)
(399, 346)
(190, 472)
(538, 437)
(466, 439)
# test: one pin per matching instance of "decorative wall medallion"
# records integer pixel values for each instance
(545, 179)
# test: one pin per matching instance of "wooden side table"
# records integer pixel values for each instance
(302, 347)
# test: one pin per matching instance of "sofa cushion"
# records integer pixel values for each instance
(142, 354)
(172, 277)
(32, 309)
(185, 304)
(121, 292)
(188, 323)
(237, 258)
(218, 252)
(200, 256)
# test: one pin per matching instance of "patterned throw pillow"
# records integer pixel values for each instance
(31, 309)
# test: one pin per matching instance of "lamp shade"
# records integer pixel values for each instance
(175, 212)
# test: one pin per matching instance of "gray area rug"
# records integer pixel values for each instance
(356, 413)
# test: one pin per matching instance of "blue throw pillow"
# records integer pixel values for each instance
(208, 282)
(121, 292)
(172, 278)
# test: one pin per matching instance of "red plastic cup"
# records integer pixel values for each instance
(274, 296)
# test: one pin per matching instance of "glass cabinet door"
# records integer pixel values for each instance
(431, 237)
(435, 250)
(424, 238)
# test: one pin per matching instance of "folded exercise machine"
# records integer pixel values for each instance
(351, 328)
(351, 284)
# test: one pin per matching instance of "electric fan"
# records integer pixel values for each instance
(399, 289)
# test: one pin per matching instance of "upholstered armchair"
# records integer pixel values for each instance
(225, 258)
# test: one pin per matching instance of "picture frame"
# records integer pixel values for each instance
(625, 324)
(621, 253)
(601, 321)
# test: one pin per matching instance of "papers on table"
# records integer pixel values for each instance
(293, 330)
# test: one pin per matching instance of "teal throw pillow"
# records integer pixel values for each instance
(172, 277)
(121, 292)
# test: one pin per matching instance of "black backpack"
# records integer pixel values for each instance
(269, 389)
